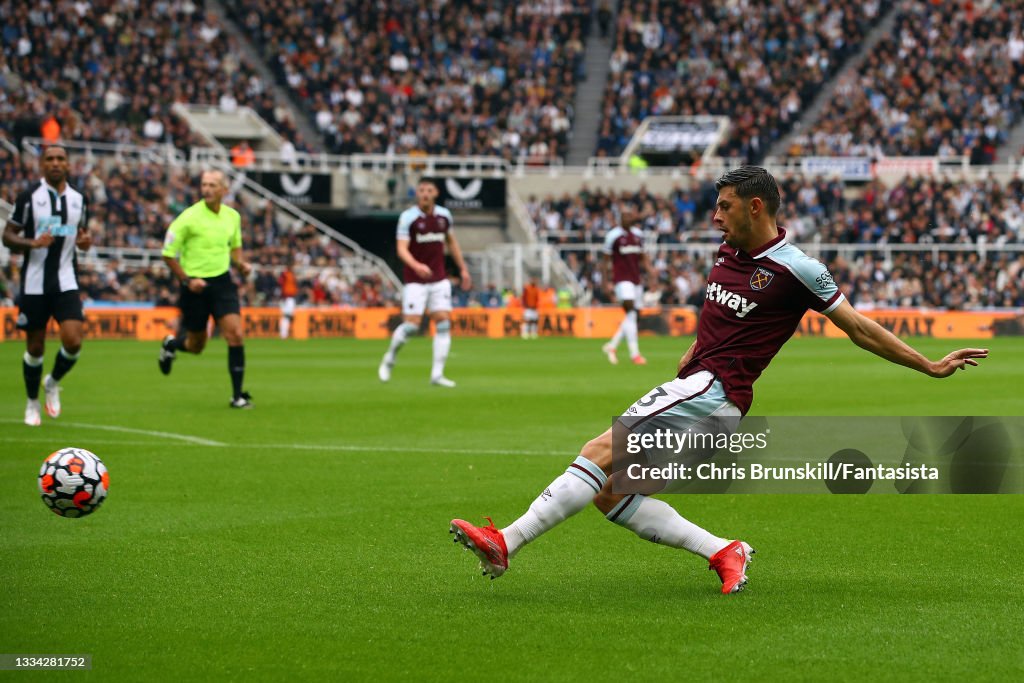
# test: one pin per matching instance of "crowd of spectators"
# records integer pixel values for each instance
(758, 63)
(109, 70)
(681, 216)
(131, 205)
(914, 210)
(921, 211)
(948, 81)
(869, 278)
(460, 77)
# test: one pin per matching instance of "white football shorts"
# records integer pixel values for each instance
(432, 296)
(629, 291)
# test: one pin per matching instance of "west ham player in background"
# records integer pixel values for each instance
(423, 232)
(54, 218)
(757, 293)
(624, 249)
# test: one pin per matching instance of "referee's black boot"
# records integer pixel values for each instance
(243, 401)
(167, 355)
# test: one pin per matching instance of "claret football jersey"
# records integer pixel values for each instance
(427, 235)
(754, 303)
(626, 247)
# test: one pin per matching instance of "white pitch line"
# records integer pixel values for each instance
(48, 439)
(281, 446)
(131, 430)
(396, 449)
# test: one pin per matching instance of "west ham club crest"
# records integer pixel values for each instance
(761, 278)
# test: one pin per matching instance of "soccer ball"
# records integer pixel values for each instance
(73, 482)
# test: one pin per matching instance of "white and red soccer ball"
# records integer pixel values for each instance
(73, 482)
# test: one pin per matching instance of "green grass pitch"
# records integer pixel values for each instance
(307, 539)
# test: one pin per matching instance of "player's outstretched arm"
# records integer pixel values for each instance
(871, 336)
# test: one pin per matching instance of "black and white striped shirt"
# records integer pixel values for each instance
(38, 210)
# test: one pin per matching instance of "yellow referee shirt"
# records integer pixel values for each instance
(202, 240)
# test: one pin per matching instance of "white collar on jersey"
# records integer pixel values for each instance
(771, 246)
(51, 188)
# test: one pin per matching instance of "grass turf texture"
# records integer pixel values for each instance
(313, 544)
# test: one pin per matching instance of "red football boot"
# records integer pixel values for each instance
(486, 542)
(731, 564)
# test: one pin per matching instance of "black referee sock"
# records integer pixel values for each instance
(236, 366)
(176, 344)
(32, 369)
(65, 361)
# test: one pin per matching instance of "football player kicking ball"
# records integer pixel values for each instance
(757, 293)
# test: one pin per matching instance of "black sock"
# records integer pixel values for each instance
(236, 366)
(62, 365)
(33, 374)
(176, 344)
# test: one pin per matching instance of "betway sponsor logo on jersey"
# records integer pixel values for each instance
(721, 295)
(631, 249)
(423, 237)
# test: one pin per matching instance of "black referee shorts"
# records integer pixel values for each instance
(219, 298)
(35, 310)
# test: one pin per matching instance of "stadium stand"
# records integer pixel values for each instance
(948, 81)
(758, 63)
(914, 210)
(972, 215)
(869, 278)
(460, 77)
(683, 215)
(131, 205)
(131, 62)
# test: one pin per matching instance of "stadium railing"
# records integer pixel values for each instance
(608, 167)
(361, 262)
(817, 248)
(391, 163)
(8, 145)
(158, 154)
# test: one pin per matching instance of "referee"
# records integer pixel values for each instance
(200, 246)
(54, 218)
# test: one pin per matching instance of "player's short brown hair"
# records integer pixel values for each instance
(752, 181)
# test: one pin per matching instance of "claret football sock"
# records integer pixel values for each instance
(567, 495)
(32, 369)
(657, 521)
